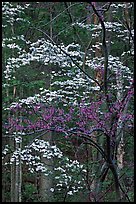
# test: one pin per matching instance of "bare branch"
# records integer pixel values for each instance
(58, 15)
(105, 51)
(71, 20)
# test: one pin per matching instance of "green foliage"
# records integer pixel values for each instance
(29, 193)
(19, 31)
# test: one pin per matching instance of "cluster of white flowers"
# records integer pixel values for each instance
(68, 174)
(16, 157)
(5, 151)
(10, 12)
(97, 27)
(123, 5)
(114, 27)
(44, 51)
(18, 139)
(76, 85)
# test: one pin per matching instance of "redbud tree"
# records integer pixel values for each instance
(79, 113)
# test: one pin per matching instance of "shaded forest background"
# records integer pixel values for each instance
(67, 101)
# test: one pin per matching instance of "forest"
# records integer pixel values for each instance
(67, 101)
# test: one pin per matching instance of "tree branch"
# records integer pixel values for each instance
(71, 20)
(105, 50)
(54, 43)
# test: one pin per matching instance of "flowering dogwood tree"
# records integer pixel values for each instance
(86, 105)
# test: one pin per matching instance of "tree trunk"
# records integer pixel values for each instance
(109, 34)
(120, 139)
(97, 156)
(16, 173)
(46, 181)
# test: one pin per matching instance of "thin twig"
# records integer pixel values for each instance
(71, 20)
(58, 15)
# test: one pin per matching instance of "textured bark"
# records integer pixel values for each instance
(13, 182)
(104, 46)
(93, 153)
(46, 181)
(109, 34)
(16, 176)
(97, 156)
(120, 139)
